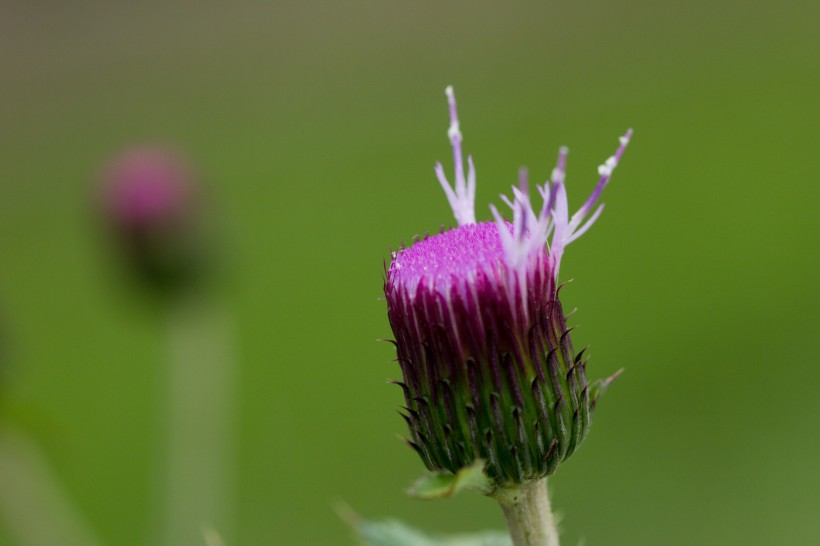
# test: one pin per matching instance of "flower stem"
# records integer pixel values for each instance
(200, 424)
(529, 516)
(34, 507)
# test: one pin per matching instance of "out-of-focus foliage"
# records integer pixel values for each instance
(396, 533)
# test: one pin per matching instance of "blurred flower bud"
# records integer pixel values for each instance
(151, 204)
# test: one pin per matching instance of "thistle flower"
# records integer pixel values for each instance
(150, 204)
(489, 370)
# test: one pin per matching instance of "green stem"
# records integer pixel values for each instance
(199, 420)
(529, 516)
(35, 508)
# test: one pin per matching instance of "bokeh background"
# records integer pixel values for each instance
(316, 127)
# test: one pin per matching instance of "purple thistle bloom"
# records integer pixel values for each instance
(489, 368)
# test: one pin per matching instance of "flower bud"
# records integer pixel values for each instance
(151, 206)
(489, 369)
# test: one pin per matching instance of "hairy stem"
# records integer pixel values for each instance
(529, 516)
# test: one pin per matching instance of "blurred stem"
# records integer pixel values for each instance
(35, 508)
(529, 515)
(200, 423)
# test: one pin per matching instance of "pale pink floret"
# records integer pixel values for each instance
(462, 196)
(568, 229)
(531, 227)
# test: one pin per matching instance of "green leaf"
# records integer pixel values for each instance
(396, 533)
(444, 484)
(391, 533)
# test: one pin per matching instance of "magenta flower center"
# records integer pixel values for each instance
(456, 255)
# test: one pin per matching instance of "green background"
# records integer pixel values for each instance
(317, 126)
